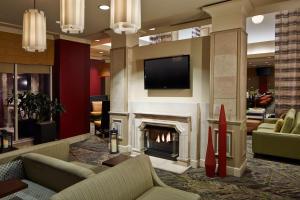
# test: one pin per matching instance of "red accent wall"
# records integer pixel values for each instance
(95, 83)
(71, 85)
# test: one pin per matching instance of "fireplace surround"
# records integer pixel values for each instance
(161, 141)
(179, 127)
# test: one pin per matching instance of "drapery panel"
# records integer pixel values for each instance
(287, 61)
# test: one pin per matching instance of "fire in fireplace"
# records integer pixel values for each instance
(161, 142)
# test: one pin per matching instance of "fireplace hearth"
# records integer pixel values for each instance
(161, 142)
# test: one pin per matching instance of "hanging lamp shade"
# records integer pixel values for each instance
(72, 16)
(125, 16)
(34, 31)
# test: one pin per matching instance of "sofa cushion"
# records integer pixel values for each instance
(167, 193)
(296, 129)
(53, 173)
(278, 125)
(266, 126)
(288, 121)
(11, 170)
(126, 181)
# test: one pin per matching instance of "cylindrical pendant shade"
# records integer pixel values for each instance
(125, 16)
(34, 31)
(72, 16)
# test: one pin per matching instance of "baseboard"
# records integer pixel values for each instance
(194, 163)
(232, 171)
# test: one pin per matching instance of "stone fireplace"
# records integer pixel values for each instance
(161, 141)
(163, 136)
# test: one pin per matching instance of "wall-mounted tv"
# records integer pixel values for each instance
(167, 73)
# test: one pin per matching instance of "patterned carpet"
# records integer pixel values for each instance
(264, 179)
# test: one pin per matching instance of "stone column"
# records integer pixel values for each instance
(121, 58)
(228, 77)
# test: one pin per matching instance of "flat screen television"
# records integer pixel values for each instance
(167, 73)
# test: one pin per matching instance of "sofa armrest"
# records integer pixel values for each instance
(270, 120)
(53, 173)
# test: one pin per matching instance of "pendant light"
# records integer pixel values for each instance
(72, 16)
(34, 31)
(125, 16)
(257, 19)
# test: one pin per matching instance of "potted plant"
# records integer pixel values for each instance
(37, 112)
(26, 110)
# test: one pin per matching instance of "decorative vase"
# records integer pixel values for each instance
(222, 143)
(210, 161)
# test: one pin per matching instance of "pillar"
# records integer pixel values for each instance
(228, 77)
(121, 56)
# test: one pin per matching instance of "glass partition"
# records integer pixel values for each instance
(30, 78)
(7, 113)
(34, 79)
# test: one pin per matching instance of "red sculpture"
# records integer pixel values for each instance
(210, 161)
(222, 143)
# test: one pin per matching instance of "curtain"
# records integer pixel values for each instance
(287, 61)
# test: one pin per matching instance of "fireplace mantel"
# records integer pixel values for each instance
(165, 116)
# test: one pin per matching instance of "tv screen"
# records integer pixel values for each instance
(264, 71)
(167, 73)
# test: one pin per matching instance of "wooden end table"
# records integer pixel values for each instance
(11, 186)
(116, 160)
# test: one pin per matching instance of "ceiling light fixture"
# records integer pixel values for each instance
(97, 40)
(101, 52)
(258, 19)
(125, 16)
(152, 29)
(72, 16)
(34, 30)
(104, 7)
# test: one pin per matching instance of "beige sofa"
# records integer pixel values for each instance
(132, 179)
(57, 149)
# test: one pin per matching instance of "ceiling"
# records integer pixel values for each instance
(154, 13)
(262, 32)
(267, 61)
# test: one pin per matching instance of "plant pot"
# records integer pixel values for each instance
(44, 132)
(26, 128)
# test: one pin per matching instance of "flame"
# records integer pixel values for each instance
(158, 139)
(168, 137)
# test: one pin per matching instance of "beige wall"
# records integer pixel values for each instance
(193, 102)
(196, 48)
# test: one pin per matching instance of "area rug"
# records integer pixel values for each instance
(263, 179)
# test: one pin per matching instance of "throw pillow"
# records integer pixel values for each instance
(289, 121)
(11, 170)
(296, 130)
(278, 125)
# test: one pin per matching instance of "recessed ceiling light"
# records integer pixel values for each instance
(107, 44)
(266, 62)
(258, 19)
(104, 7)
(97, 40)
(152, 29)
(101, 52)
